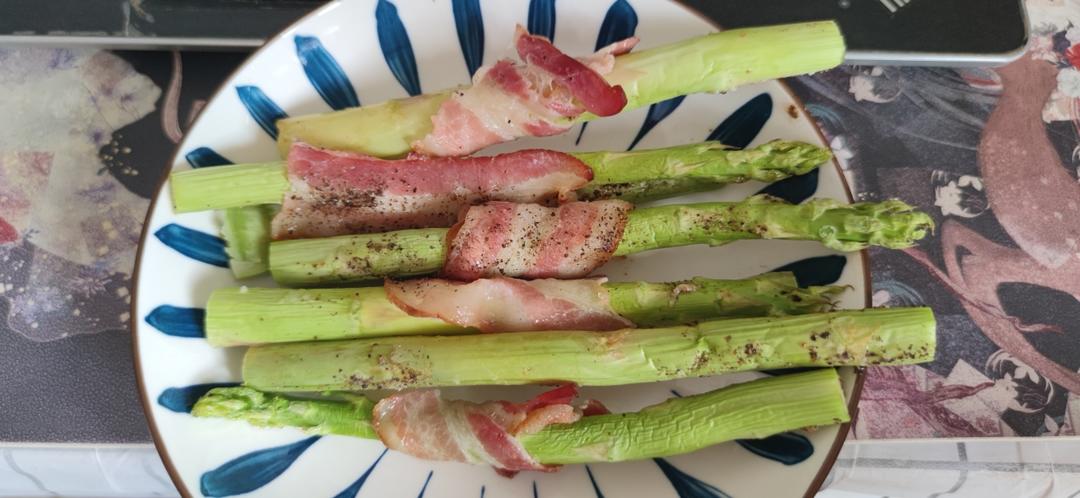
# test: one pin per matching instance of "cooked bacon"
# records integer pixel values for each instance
(424, 425)
(603, 61)
(588, 87)
(539, 97)
(534, 241)
(504, 304)
(337, 193)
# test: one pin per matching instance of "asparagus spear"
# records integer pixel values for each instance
(355, 258)
(853, 338)
(243, 316)
(246, 231)
(345, 414)
(634, 176)
(753, 409)
(716, 62)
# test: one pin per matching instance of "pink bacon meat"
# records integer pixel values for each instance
(534, 241)
(336, 193)
(510, 305)
(537, 97)
(422, 424)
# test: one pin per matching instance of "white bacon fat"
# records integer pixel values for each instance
(510, 305)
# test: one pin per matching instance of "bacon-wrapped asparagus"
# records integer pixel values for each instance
(547, 431)
(246, 316)
(546, 92)
(532, 241)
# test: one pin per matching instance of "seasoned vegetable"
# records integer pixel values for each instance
(851, 338)
(755, 409)
(633, 176)
(839, 226)
(245, 316)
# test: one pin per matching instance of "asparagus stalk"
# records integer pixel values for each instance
(342, 413)
(247, 316)
(356, 258)
(641, 176)
(755, 409)
(716, 62)
(660, 304)
(222, 187)
(246, 231)
(634, 176)
(751, 410)
(853, 338)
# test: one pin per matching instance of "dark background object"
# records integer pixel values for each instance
(908, 32)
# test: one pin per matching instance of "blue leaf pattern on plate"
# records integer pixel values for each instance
(657, 113)
(483, 489)
(795, 189)
(469, 22)
(205, 156)
(263, 110)
(354, 488)
(177, 321)
(822, 270)
(194, 244)
(396, 47)
(788, 448)
(249, 472)
(577, 141)
(592, 480)
(743, 125)
(325, 74)
(619, 23)
(542, 18)
(182, 399)
(426, 482)
(687, 486)
(536, 493)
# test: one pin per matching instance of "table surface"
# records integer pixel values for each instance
(991, 154)
(896, 31)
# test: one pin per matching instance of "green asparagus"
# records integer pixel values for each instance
(341, 413)
(850, 338)
(633, 176)
(247, 316)
(246, 231)
(356, 258)
(716, 62)
(755, 409)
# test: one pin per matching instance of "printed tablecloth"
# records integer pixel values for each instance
(992, 154)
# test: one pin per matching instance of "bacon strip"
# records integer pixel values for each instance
(337, 193)
(510, 305)
(539, 97)
(533, 241)
(588, 87)
(422, 424)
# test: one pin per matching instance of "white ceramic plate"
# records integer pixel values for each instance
(181, 260)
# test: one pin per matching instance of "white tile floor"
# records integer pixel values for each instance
(1033, 468)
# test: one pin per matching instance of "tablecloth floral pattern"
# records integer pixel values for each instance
(992, 154)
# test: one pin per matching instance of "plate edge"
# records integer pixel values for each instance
(170, 468)
(144, 399)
